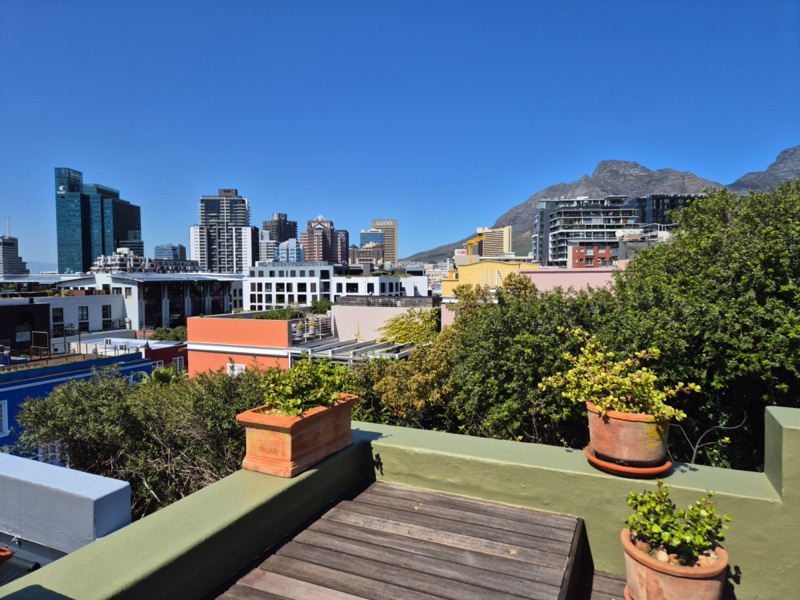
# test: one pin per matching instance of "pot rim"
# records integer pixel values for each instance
(256, 415)
(622, 416)
(674, 570)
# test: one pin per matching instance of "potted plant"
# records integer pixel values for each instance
(306, 418)
(628, 413)
(673, 554)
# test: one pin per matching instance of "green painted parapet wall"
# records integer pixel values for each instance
(190, 548)
(765, 507)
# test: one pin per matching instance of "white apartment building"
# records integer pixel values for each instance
(276, 284)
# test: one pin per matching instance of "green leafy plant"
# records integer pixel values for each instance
(281, 314)
(306, 385)
(623, 385)
(678, 536)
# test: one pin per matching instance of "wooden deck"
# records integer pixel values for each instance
(397, 543)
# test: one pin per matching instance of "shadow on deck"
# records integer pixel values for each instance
(391, 542)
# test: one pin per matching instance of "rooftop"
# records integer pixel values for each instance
(201, 545)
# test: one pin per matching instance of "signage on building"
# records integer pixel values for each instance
(384, 223)
(61, 191)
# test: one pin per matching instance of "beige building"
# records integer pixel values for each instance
(485, 272)
(389, 229)
(496, 242)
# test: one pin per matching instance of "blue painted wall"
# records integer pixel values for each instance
(16, 386)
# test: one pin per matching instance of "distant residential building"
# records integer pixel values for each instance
(318, 240)
(389, 229)
(563, 222)
(170, 252)
(92, 220)
(10, 261)
(280, 228)
(655, 208)
(496, 242)
(290, 251)
(224, 242)
(372, 236)
(124, 261)
(267, 247)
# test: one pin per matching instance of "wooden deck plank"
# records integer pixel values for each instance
(454, 588)
(422, 506)
(539, 551)
(469, 504)
(457, 556)
(603, 586)
(336, 579)
(427, 565)
(281, 586)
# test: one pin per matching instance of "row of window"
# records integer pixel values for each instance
(284, 286)
(324, 274)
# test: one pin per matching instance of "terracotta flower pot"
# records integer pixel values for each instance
(287, 446)
(632, 439)
(651, 579)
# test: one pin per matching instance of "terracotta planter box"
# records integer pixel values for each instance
(287, 446)
(651, 579)
(632, 439)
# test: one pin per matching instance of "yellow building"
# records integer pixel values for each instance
(484, 272)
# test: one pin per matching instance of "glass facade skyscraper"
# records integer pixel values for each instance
(92, 220)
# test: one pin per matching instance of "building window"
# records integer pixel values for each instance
(338, 288)
(157, 364)
(293, 273)
(301, 287)
(58, 315)
(370, 288)
(128, 291)
(83, 313)
(234, 369)
(313, 287)
(302, 273)
(50, 455)
(3, 418)
(178, 364)
(117, 291)
(106, 311)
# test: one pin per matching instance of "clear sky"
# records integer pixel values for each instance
(442, 114)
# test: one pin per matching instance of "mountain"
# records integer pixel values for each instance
(629, 178)
(785, 167)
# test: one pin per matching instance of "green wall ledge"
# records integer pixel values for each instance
(192, 547)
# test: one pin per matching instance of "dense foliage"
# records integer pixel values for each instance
(281, 314)
(416, 326)
(720, 301)
(306, 385)
(176, 334)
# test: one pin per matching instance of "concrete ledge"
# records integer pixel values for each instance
(59, 508)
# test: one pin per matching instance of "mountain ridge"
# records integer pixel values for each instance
(612, 177)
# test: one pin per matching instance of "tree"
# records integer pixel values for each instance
(417, 326)
(176, 334)
(721, 300)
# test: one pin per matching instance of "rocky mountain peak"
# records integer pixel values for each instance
(787, 165)
(619, 168)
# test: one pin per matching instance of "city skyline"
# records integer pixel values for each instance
(440, 115)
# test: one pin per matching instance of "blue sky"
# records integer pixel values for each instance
(442, 114)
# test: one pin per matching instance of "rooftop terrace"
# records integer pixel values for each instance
(199, 546)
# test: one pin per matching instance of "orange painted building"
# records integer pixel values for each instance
(235, 342)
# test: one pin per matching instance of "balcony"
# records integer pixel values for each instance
(198, 546)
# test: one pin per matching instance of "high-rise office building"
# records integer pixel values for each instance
(341, 246)
(224, 242)
(92, 220)
(389, 229)
(170, 252)
(10, 261)
(280, 228)
(290, 251)
(317, 240)
(266, 246)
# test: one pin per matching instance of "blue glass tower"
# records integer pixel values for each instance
(91, 220)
